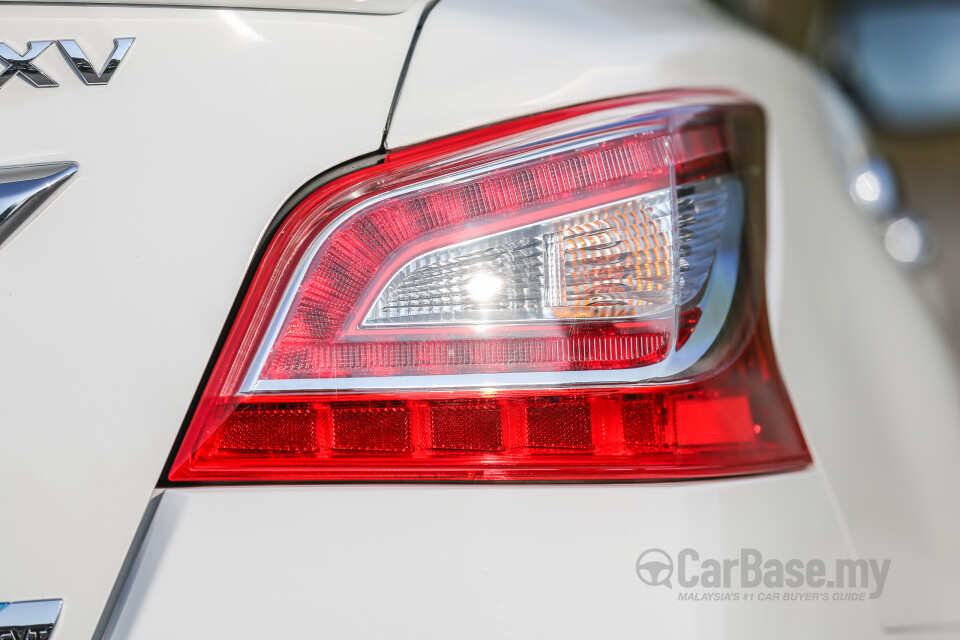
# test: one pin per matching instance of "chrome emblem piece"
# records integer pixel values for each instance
(23, 64)
(74, 54)
(24, 190)
(33, 620)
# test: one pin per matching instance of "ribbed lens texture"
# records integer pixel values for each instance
(612, 261)
(575, 234)
(494, 279)
(361, 248)
(701, 208)
(617, 262)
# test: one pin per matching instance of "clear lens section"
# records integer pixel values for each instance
(702, 208)
(623, 260)
(612, 261)
(615, 262)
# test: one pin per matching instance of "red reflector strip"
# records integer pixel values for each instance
(711, 428)
(369, 426)
(465, 425)
(291, 427)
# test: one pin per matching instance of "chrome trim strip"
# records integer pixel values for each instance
(106, 627)
(24, 189)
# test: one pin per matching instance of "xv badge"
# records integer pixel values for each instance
(23, 65)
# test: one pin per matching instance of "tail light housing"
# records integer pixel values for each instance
(575, 295)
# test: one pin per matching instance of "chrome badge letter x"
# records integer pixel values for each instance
(23, 64)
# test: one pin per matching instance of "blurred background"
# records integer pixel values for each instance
(898, 63)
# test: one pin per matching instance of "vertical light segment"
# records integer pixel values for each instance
(553, 272)
(702, 208)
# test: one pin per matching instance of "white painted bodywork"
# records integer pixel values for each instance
(348, 6)
(472, 562)
(114, 296)
(119, 289)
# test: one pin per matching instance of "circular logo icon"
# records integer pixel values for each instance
(655, 567)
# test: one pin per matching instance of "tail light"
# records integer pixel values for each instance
(571, 296)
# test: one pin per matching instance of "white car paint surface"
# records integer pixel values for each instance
(114, 298)
(471, 562)
(349, 6)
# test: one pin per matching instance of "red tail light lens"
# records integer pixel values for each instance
(575, 295)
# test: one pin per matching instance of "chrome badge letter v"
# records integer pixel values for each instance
(74, 54)
(24, 65)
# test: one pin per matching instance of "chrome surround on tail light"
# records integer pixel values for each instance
(590, 129)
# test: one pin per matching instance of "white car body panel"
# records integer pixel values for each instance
(470, 562)
(114, 296)
(350, 6)
(871, 377)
